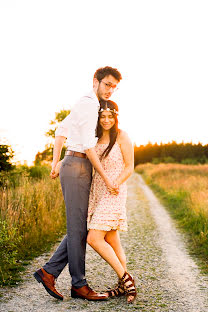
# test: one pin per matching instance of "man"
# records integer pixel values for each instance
(75, 176)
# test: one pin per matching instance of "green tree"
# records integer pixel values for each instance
(6, 154)
(47, 155)
(58, 118)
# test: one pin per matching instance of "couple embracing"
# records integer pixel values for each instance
(95, 206)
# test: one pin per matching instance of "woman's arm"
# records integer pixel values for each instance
(128, 156)
(93, 157)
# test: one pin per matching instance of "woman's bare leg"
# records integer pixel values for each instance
(96, 239)
(113, 239)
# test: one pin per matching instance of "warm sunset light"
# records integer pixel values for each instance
(50, 51)
(117, 222)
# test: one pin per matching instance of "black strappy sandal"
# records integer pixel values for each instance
(129, 286)
(118, 291)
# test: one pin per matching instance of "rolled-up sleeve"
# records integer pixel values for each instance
(63, 127)
(88, 123)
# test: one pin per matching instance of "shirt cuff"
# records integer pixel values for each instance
(61, 131)
(90, 144)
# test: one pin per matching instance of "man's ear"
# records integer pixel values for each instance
(95, 83)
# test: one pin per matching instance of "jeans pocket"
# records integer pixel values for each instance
(71, 167)
(86, 170)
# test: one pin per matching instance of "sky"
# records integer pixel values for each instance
(49, 51)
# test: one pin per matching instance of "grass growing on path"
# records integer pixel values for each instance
(32, 216)
(183, 189)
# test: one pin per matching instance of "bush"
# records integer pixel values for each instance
(156, 160)
(14, 177)
(9, 240)
(189, 161)
(168, 160)
(39, 172)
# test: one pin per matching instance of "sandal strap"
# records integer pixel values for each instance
(131, 293)
(116, 292)
(110, 293)
(128, 279)
(129, 286)
(124, 276)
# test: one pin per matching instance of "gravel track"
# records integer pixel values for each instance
(167, 277)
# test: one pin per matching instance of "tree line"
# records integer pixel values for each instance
(186, 153)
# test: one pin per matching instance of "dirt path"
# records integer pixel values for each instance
(166, 276)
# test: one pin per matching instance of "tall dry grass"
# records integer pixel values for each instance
(176, 177)
(32, 215)
(184, 190)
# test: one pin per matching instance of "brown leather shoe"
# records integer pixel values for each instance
(86, 292)
(48, 282)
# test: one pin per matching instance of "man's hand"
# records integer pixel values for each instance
(59, 141)
(55, 170)
(53, 174)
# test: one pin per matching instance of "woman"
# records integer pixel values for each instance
(107, 213)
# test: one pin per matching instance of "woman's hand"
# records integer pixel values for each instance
(112, 188)
(115, 189)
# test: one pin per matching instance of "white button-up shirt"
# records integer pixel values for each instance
(80, 125)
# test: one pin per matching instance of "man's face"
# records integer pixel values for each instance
(105, 87)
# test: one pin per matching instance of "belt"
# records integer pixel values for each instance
(75, 154)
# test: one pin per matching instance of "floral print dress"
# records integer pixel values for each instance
(108, 212)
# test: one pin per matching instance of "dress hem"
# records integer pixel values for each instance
(103, 227)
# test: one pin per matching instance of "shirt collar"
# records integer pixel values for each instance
(92, 95)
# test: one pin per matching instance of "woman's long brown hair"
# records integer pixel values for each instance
(113, 131)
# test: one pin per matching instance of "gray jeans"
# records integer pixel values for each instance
(75, 177)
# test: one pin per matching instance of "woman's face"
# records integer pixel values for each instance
(107, 120)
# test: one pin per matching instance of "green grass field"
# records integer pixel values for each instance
(183, 190)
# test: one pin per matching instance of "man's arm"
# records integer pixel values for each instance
(93, 157)
(88, 121)
(60, 136)
(59, 142)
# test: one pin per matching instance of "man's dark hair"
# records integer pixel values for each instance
(106, 71)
